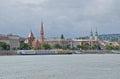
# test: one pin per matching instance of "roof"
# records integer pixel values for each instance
(3, 37)
(31, 34)
(36, 43)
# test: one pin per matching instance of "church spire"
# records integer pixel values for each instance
(96, 33)
(91, 33)
(41, 33)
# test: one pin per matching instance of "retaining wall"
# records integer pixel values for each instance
(10, 52)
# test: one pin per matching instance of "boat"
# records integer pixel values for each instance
(116, 51)
(26, 52)
(61, 51)
(43, 52)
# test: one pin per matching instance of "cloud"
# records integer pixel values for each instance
(72, 18)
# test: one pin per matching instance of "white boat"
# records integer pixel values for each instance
(116, 51)
(41, 52)
(26, 52)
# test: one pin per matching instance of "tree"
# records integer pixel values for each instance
(4, 46)
(86, 46)
(97, 47)
(46, 46)
(65, 46)
(62, 36)
(36, 48)
(111, 47)
(68, 46)
(57, 46)
(24, 46)
(108, 47)
(79, 46)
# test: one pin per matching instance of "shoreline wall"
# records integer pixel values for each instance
(9, 52)
(14, 52)
(100, 52)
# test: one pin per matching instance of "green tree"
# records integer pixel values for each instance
(65, 46)
(79, 47)
(97, 47)
(68, 46)
(4, 46)
(62, 36)
(111, 47)
(24, 46)
(36, 48)
(86, 46)
(57, 46)
(46, 46)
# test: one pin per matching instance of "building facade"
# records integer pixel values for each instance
(34, 42)
(72, 43)
(12, 40)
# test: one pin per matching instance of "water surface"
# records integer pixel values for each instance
(91, 66)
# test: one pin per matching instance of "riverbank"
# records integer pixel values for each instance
(14, 52)
(98, 52)
(9, 52)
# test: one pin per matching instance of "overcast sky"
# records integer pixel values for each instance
(73, 18)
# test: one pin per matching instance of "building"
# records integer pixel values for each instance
(63, 42)
(32, 41)
(72, 43)
(92, 41)
(12, 40)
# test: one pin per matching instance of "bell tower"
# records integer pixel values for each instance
(41, 33)
(96, 35)
(91, 35)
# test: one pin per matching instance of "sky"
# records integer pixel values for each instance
(72, 18)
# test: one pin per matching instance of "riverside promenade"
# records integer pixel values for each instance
(98, 52)
(14, 52)
(9, 52)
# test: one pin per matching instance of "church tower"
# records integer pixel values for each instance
(96, 35)
(91, 38)
(41, 33)
(91, 35)
(30, 38)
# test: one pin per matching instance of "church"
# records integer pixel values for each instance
(32, 41)
(72, 43)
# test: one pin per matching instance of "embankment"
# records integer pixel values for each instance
(10, 52)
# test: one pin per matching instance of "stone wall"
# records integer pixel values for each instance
(2, 52)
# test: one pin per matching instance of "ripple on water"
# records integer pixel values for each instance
(60, 67)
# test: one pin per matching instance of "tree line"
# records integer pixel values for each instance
(24, 46)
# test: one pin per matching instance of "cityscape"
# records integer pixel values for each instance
(93, 41)
(59, 39)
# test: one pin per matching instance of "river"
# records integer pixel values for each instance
(83, 66)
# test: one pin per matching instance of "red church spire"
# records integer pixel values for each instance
(41, 33)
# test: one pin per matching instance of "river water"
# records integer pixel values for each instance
(91, 66)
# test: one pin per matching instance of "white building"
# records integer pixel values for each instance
(92, 40)
(12, 40)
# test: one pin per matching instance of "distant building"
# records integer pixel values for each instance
(62, 42)
(72, 43)
(92, 40)
(12, 40)
(32, 41)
